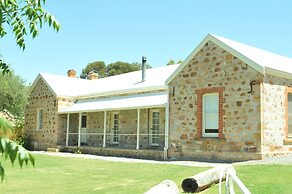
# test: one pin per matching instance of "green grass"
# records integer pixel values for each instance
(267, 179)
(74, 175)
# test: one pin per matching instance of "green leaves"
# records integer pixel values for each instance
(4, 67)
(13, 150)
(23, 17)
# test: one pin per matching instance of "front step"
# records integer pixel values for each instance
(53, 150)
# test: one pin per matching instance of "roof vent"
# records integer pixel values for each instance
(144, 59)
(71, 73)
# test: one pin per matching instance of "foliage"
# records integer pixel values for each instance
(120, 67)
(172, 62)
(13, 95)
(96, 65)
(14, 151)
(23, 18)
(4, 126)
(111, 69)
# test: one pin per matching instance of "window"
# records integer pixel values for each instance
(154, 131)
(83, 121)
(210, 115)
(210, 112)
(39, 119)
(115, 129)
(288, 128)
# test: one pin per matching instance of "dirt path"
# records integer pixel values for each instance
(276, 160)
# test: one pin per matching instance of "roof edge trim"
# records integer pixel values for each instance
(36, 81)
(278, 73)
(224, 46)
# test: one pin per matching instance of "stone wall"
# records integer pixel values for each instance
(41, 97)
(274, 96)
(210, 69)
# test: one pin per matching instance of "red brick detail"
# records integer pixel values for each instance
(288, 90)
(200, 93)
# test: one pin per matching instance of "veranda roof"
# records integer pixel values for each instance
(148, 100)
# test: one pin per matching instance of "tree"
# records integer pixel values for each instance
(23, 18)
(13, 95)
(172, 62)
(120, 67)
(99, 66)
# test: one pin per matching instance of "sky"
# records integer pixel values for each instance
(126, 30)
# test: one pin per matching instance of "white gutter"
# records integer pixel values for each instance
(114, 109)
(116, 92)
(278, 73)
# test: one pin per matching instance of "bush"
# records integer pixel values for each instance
(13, 131)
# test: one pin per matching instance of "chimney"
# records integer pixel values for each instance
(93, 75)
(144, 59)
(71, 73)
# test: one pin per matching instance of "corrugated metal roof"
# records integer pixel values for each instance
(259, 56)
(75, 87)
(148, 100)
(261, 60)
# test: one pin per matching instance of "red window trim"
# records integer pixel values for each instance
(200, 93)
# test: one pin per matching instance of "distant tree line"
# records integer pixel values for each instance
(116, 68)
(111, 69)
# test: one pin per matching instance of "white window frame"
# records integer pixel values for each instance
(83, 138)
(113, 128)
(289, 117)
(204, 134)
(38, 123)
(82, 115)
(151, 125)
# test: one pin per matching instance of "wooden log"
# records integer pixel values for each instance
(165, 187)
(204, 179)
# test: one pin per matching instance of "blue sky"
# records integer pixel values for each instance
(125, 30)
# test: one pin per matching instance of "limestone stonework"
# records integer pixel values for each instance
(42, 97)
(239, 117)
(274, 98)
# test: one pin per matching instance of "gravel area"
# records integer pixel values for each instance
(287, 159)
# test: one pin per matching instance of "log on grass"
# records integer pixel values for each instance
(205, 179)
(165, 187)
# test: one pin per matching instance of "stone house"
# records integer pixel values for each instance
(226, 101)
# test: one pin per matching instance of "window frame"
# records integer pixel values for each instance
(199, 112)
(38, 123)
(151, 125)
(204, 134)
(84, 115)
(287, 136)
(113, 128)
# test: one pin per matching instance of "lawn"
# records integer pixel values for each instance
(54, 174)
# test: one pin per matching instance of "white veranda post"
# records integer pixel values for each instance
(166, 131)
(67, 131)
(104, 129)
(138, 129)
(79, 129)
